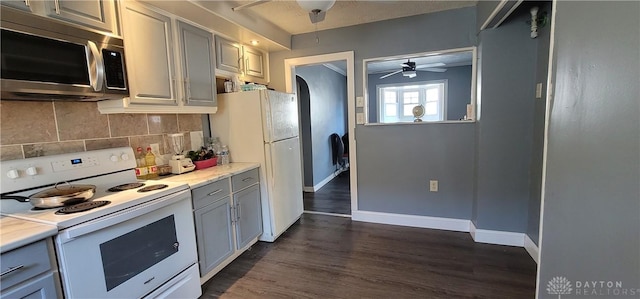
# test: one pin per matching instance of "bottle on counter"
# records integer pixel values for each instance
(150, 160)
(224, 155)
(141, 165)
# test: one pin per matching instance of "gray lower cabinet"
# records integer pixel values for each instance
(214, 234)
(228, 218)
(249, 215)
(29, 272)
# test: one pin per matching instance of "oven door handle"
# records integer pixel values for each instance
(120, 216)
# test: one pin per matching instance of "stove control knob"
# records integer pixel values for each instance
(13, 174)
(124, 157)
(32, 171)
(113, 158)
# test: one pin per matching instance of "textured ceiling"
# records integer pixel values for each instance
(288, 15)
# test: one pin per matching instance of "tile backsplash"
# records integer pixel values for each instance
(31, 128)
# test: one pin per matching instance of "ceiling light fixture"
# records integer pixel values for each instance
(317, 10)
(254, 42)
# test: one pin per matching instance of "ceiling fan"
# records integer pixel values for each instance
(409, 69)
(317, 8)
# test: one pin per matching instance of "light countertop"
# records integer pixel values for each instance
(202, 177)
(15, 233)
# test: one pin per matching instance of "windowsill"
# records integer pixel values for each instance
(422, 123)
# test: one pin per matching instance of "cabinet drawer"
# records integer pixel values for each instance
(23, 263)
(210, 193)
(245, 179)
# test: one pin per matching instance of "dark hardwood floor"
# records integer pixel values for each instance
(334, 197)
(333, 257)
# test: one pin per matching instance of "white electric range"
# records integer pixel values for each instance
(140, 244)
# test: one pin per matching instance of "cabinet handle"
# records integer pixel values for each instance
(238, 212)
(11, 269)
(247, 179)
(187, 88)
(246, 66)
(56, 5)
(214, 192)
(27, 3)
(233, 218)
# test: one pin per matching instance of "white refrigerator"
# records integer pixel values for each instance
(262, 126)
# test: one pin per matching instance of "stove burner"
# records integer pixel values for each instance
(81, 207)
(153, 187)
(125, 187)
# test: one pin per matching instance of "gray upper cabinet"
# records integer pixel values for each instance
(24, 5)
(228, 55)
(149, 55)
(197, 59)
(254, 64)
(248, 62)
(249, 215)
(96, 14)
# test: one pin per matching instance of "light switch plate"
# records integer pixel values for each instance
(359, 102)
(360, 118)
(539, 91)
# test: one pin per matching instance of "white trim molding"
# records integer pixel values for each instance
(531, 248)
(496, 237)
(326, 180)
(459, 225)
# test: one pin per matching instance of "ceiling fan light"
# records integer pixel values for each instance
(311, 5)
(410, 73)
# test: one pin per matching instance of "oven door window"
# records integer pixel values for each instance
(130, 254)
(34, 58)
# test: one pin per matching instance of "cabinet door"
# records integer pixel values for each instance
(149, 55)
(97, 14)
(197, 60)
(19, 4)
(44, 287)
(228, 55)
(254, 65)
(249, 215)
(214, 234)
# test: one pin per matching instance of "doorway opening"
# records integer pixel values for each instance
(326, 93)
(322, 98)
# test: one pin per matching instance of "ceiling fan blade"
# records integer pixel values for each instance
(390, 74)
(430, 65)
(435, 69)
(254, 3)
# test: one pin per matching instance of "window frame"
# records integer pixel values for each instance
(421, 87)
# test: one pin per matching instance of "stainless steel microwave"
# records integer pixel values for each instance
(44, 59)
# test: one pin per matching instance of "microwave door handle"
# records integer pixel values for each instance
(96, 66)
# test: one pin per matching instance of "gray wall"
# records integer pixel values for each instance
(327, 106)
(535, 172)
(484, 9)
(423, 33)
(504, 130)
(396, 177)
(458, 93)
(591, 215)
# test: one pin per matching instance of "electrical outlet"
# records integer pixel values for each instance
(433, 185)
(155, 148)
(360, 118)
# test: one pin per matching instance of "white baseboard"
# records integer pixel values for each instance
(496, 237)
(531, 248)
(328, 179)
(327, 214)
(459, 225)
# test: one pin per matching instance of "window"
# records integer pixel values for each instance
(396, 101)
